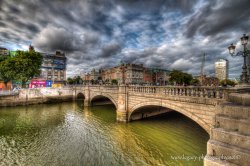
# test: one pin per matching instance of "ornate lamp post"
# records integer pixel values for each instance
(244, 78)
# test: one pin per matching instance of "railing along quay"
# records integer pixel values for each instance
(191, 91)
(8, 93)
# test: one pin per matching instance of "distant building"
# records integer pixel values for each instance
(208, 81)
(86, 78)
(95, 75)
(4, 51)
(159, 76)
(54, 67)
(221, 69)
(147, 76)
(129, 74)
(124, 74)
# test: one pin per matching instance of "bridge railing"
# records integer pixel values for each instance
(104, 88)
(191, 91)
(8, 93)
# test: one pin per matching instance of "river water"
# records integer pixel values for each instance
(71, 135)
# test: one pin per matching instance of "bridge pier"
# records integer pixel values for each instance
(87, 102)
(121, 112)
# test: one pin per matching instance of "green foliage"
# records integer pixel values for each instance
(194, 82)
(3, 58)
(7, 71)
(114, 82)
(180, 77)
(28, 64)
(227, 82)
(78, 80)
(75, 80)
(70, 81)
(24, 66)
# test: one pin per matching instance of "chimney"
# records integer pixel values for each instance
(31, 48)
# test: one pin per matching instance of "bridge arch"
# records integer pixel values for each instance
(173, 107)
(80, 95)
(104, 96)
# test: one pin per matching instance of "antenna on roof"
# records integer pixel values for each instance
(202, 67)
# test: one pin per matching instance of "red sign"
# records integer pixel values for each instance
(37, 83)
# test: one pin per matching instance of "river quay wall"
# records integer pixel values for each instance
(37, 96)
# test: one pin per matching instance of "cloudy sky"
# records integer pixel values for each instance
(170, 34)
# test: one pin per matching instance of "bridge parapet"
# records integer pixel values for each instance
(106, 88)
(189, 91)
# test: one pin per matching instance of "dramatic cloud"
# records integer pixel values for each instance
(102, 33)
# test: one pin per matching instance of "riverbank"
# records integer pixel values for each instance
(16, 101)
(37, 96)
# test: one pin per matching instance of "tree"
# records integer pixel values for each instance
(78, 80)
(3, 58)
(180, 77)
(70, 81)
(114, 82)
(92, 81)
(27, 65)
(194, 82)
(227, 82)
(24, 66)
(6, 70)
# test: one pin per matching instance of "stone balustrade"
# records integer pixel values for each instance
(104, 88)
(190, 91)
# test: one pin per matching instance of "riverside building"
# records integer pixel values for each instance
(4, 51)
(128, 73)
(54, 68)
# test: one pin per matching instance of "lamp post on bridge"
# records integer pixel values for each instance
(244, 78)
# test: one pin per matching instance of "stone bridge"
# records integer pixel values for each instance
(223, 113)
(197, 103)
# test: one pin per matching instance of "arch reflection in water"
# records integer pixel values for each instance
(102, 100)
(69, 134)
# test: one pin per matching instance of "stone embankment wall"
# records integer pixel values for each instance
(38, 96)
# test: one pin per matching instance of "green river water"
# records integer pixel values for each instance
(71, 135)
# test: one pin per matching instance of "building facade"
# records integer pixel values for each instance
(124, 74)
(221, 69)
(54, 67)
(160, 76)
(130, 74)
(4, 51)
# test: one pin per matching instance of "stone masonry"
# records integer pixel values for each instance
(223, 113)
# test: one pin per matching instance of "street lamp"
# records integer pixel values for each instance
(244, 78)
